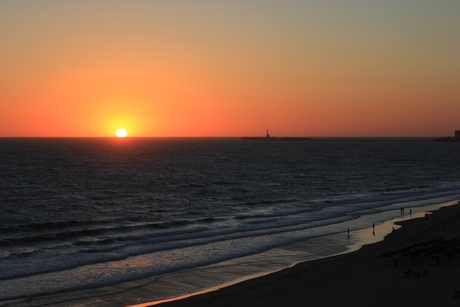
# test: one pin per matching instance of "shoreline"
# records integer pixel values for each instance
(349, 244)
(140, 293)
(359, 278)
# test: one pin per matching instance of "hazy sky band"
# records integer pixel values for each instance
(229, 68)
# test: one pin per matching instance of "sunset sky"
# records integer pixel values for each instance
(229, 68)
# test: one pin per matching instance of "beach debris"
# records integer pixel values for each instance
(439, 252)
(407, 273)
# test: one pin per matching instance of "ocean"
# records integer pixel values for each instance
(80, 213)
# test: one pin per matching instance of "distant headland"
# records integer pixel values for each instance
(455, 138)
(267, 137)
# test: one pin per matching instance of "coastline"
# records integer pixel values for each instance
(256, 288)
(358, 278)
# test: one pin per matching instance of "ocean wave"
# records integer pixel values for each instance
(177, 204)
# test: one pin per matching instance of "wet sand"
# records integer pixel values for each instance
(358, 278)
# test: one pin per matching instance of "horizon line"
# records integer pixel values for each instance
(262, 137)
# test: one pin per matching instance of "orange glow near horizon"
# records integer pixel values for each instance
(297, 69)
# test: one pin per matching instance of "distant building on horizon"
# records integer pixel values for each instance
(455, 138)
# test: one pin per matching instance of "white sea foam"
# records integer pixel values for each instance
(98, 214)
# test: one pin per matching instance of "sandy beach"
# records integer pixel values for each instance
(358, 278)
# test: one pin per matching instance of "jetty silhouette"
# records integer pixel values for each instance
(267, 137)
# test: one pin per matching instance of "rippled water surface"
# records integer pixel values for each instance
(72, 208)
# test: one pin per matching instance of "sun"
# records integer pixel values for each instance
(121, 133)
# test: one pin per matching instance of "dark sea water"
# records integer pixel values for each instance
(85, 212)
